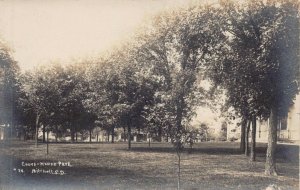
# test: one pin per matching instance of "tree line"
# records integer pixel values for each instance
(249, 51)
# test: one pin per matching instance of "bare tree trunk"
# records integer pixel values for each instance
(20, 135)
(149, 139)
(247, 138)
(25, 135)
(97, 136)
(113, 134)
(56, 133)
(47, 142)
(37, 129)
(90, 134)
(76, 136)
(72, 133)
(159, 133)
(44, 134)
(129, 136)
(178, 174)
(124, 129)
(243, 137)
(270, 167)
(253, 138)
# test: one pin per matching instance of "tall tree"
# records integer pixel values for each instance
(9, 87)
(179, 45)
(40, 95)
(121, 88)
(73, 94)
(260, 69)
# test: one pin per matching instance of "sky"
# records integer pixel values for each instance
(39, 32)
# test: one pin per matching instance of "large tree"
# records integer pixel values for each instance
(9, 87)
(178, 46)
(121, 88)
(39, 95)
(181, 44)
(260, 69)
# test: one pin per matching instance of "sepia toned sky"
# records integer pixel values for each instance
(61, 30)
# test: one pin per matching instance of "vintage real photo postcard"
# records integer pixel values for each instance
(149, 94)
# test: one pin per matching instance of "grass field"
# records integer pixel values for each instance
(210, 165)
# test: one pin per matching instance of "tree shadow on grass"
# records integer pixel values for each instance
(76, 177)
(212, 151)
(284, 153)
(288, 153)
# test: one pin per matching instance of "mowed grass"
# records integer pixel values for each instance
(210, 165)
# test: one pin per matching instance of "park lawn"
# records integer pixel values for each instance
(210, 165)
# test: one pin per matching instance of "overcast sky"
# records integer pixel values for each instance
(40, 31)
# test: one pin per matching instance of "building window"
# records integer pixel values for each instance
(283, 123)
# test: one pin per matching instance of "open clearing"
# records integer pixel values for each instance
(211, 165)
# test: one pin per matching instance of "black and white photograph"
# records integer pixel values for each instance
(149, 94)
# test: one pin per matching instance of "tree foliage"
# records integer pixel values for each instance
(8, 85)
(260, 69)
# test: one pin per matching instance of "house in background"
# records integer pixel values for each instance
(288, 127)
(2, 132)
(234, 130)
(5, 132)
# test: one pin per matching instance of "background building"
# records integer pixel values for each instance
(288, 127)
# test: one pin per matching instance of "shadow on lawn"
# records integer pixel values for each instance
(76, 177)
(213, 151)
(115, 177)
(288, 153)
(285, 153)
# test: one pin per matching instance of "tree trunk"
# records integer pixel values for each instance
(159, 133)
(19, 134)
(112, 134)
(243, 132)
(124, 129)
(149, 139)
(90, 134)
(178, 174)
(270, 167)
(253, 139)
(72, 134)
(25, 134)
(108, 134)
(129, 136)
(47, 142)
(37, 129)
(97, 136)
(76, 136)
(44, 134)
(247, 138)
(56, 133)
